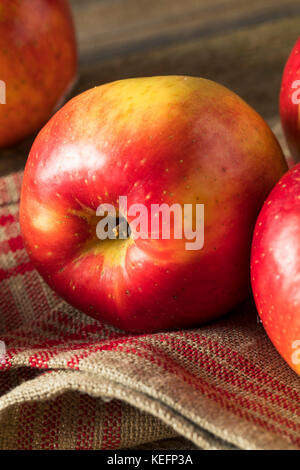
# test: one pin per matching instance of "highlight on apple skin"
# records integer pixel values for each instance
(38, 64)
(275, 267)
(171, 139)
(289, 102)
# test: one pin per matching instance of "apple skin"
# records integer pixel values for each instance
(171, 139)
(275, 266)
(38, 63)
(289, 111)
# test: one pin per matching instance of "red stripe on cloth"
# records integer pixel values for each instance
(217, 394)
(16, 243)
(21, 269)
(244, 365)
(245, 382)
(208, 364)
(7, 219)
(111, 437)
(26, 422)
(86, 423)
(73, 362)
(223, 397)
(40, 359)
(51, 424)
(11, 245)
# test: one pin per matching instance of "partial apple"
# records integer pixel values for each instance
(289, 102)
(38, 62)
(275, 267)
(173, 140)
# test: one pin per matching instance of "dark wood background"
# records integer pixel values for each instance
(240, 43)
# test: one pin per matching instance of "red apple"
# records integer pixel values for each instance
(38, 64)
(155, 140)
(290, 100)
(275, 266)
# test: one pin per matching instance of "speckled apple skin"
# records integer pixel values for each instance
(275, 266)
(155, 140)
(289, 111)
(38, 63)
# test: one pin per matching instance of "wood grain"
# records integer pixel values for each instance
(107, 28)
(249, 61)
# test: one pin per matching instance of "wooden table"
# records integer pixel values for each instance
(238, 43)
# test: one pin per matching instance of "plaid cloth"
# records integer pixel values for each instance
(69, 381)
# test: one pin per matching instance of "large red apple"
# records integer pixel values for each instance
(275, 266)
(37, 64)
(155, 140)
(290, 102)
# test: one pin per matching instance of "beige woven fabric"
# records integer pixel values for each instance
(69, 381)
